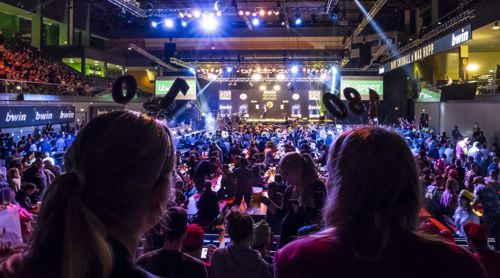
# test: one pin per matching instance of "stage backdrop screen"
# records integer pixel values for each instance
(363, 84)
(163, 84)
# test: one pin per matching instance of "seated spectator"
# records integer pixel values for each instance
(370, 218)
(238, 259)
(193, 242)
(170, 261)
(477, 238)
(14, 179)
(262, 240)
(23, 196)
(93, 216)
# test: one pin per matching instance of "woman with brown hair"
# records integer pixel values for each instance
(115, 189)
(370, 218)
(303, 199)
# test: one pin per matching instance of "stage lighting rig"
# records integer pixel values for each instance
(131, 6)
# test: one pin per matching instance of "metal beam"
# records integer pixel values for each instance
(151, 57)
(247, 22)
(131, 6)
(371, 14)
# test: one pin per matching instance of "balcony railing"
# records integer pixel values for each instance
(42, 88)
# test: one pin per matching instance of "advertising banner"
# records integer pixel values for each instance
(362, 84)
(19, 116)
(163, 84)
(442, 44)
(99, 110)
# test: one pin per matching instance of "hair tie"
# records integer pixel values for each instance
(80, 176)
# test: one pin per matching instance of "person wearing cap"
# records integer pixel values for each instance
(262, 240)
(477, 238)
(193, 243)
(463, 213)
(170, 261)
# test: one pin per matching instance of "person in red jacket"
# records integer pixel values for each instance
(477, 238)
(370, 218)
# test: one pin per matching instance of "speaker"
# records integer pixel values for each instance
(170, 50)
(365, 54)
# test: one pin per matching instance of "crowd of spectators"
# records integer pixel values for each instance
(340, 199)
(40, 73)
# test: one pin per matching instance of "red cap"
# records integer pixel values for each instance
(476, 233)
(453, 173)
(440, 165)
(194, 237)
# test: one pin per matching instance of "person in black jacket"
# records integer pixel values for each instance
(23, 196)
(208, 206)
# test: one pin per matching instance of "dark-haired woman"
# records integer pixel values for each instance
(93, 216)
(303, 199)
(370, 219)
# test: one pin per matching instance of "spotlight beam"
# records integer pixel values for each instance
(248, 23)
(373, 12)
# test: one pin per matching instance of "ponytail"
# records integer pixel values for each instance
(70, 230)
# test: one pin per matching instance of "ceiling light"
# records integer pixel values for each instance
(209, 24)
(256, 77)
(280, 76)
(495, 27)
(169, 23)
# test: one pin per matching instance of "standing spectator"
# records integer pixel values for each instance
(303, 200)
(238, 259)
(486, 197)
(208, 206)
(370, 218)
(463, 213)
(449, 199)
(243, 179)
(274, 219)
(456, 135)
(170, 261)
(35, 174)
